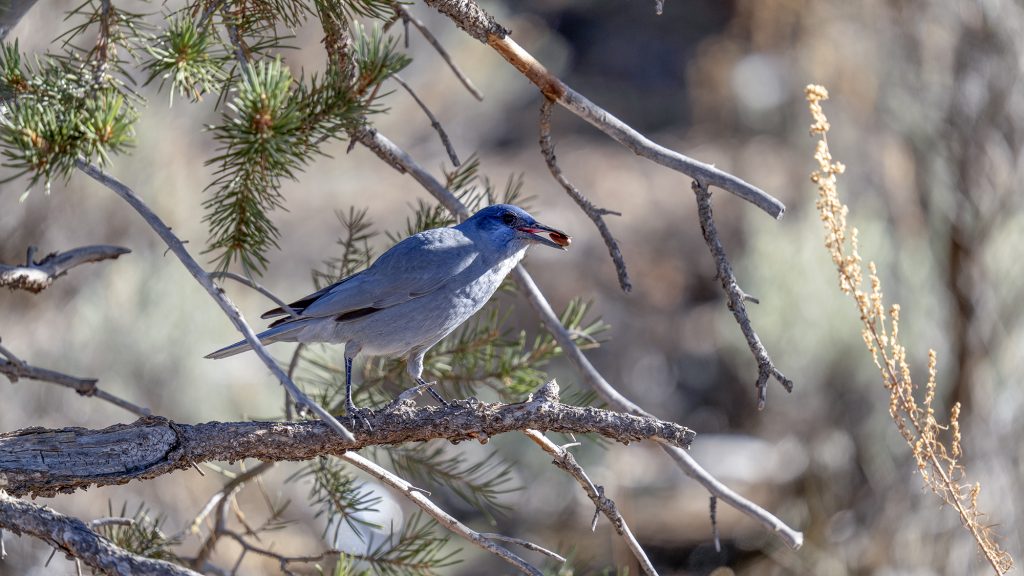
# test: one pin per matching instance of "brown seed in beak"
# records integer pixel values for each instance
(560, 239)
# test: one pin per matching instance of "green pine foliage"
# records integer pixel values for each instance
(419, 549)
(184, 56)
(481, 484)
(338, 496)
(143, 536)
(356, 253)
(273, 127)
(76, 105)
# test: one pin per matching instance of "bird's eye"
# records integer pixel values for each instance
(508, 218)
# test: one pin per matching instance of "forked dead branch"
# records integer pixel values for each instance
(37, 275)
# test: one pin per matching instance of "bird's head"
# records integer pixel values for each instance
(512, 223)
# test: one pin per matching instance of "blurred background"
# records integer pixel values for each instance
(928, 116)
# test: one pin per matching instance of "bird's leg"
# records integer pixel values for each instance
(350, 406)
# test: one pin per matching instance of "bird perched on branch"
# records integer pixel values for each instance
(414, 294)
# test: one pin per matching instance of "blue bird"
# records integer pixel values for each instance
(414, 294)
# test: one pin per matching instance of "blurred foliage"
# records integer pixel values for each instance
(141, 534)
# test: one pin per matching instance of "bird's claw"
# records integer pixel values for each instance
(360, 414)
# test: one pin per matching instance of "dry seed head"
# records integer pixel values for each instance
(919, 428)
(954, 425)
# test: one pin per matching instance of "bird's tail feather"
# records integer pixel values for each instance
(266, 337)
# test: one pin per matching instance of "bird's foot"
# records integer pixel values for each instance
(415, 391)
(358, 415)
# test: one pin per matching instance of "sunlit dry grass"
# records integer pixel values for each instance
(936, 447)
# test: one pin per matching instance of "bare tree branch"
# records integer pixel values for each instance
(565, 460)
(178, 247)
(38, 276)
(73, 537)
(595, 214)
(14, 368)
(407, 17)
(765, 368)
(154, 446)
(221, 500)
(435, 511)
(434, 122)
(467, 15)
(401, 161)
(525, 544)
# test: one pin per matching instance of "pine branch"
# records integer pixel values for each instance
(151, 447)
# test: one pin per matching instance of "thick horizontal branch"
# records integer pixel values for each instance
(37, 276)
(74, 538)
(42, 462)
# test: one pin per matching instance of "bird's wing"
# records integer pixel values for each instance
(412, 268)
(299, 305)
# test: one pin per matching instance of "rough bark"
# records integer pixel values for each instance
(43, 462)
(37, 276)
(71, 536)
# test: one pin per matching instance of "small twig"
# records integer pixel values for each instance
(218, 295)
(765, 368)
(293, 364)
(112, 521)
(525, 544)
(208, 12)
(714, 523)
(220, 502)
(595, 214)
(443, 518)
(14, 368)
(37, 276)
(257, 287)
(433, 121)
(240, 55)
(430, 38)
(565, 460)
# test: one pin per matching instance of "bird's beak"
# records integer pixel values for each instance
(546, 235)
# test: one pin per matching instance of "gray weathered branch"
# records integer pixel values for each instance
(42, 462)
(467, 15)
(595, 214)
(37, 276)
(765, 367)
(565, 460)
(14, 368)
(74, 538)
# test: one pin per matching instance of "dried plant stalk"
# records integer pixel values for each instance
(936, 447)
